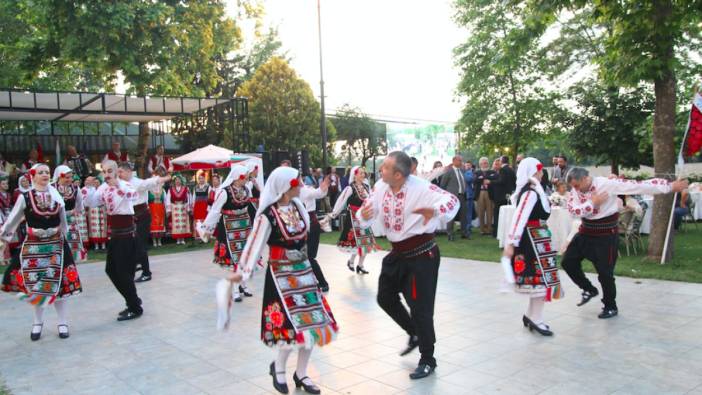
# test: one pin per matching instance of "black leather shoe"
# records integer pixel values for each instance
(63, 335)
(608, 313)
(36, 336)
(534, 327)
(324, 288)
(245, 291)
(131, 315)
(123, 313)
(310, 389)
(411, 345)
(361, 270)
(282, 388)
(238, 298)
(586, 296)
(349, 264)
(143, 278)
(422, 371)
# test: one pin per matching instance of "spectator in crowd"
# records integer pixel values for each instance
(116, 154)
(415, 163)
(32, 160)
(481, 192)
(561, 171)
(470, 197)
(437, 165)
(519, 159)
(159, 160)
(682, 208)
(80, 165)
(502, 188)
(454, 182)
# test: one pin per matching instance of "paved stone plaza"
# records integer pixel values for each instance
(654, 346)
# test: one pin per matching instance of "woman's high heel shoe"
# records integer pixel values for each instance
(361, 270)
(36, 335)
(349, 264)
(532, 326)
(310, 389)
(282, 388)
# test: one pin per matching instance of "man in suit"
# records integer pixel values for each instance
(481, 192)
(470, 197)
(504, 185)
(454, 182)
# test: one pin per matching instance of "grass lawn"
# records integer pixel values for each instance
(685, 266)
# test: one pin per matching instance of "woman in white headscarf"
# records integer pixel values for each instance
(73, 199)
(230, 217)
(529, 257)
(353, 239)
(295, 312)
(44, 273)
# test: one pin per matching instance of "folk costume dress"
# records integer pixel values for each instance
(353, 239)
(73, 199)
(178, 205)
(45, 270)
(5, 208)
(157, 206)
(97, 223)
(199, 199)
(294, 311)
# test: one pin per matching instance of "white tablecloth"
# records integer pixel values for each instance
(646, 222)
(561, 224)
(697, 198)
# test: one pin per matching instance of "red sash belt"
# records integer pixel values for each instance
(120, 226)
(415, 245)
(600, 227)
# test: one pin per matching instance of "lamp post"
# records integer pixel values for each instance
(323, 118)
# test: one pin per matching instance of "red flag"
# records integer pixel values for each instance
(693, 144)
(40, 153)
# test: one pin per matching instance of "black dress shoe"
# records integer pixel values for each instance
(324, 288)
(36, 336)
(422, 371)
(238, 298)
(411, 345)
(586, 296)
(361, 270)
(131, 315)
(143, 278)
(123, 313)
(310, 389)
(63, 335)
(282, 388)
(349, 264)
(245, 291)
(608, 313)
(534, 327)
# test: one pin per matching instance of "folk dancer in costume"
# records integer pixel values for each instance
(25, 184)
(231, 218)
(354, 239)
(295, 313)
(44, 272)
(33, 159)
(528, 252)
(142, 216)
(116, 155)
(159, 162)
(82, 218)
(97, 218)
(5, 208)
(594, 200)
(73, 199)
(119, 197)
(309, 196)
(199, 199)
(178, 207)
(410, 209)
(216, 187)
(80, 165)
(157, 208)
(252, 184)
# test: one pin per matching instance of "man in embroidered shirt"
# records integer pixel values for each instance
(410, 209)
(594, 200)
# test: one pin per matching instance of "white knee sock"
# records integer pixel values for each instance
(61, 312)
(352, 259)
(280, 363)
(38, 315)
(303, 358)
(361, 258)
(536, 307)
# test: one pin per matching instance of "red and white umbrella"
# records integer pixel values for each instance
(205, 158)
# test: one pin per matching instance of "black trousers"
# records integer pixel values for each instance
(313, 248)
(496, 216)
(143, 231)
(120, 267)
(461, 215)
(602, 251)
(415, 278)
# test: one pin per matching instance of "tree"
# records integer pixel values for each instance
(505, 104)
(609, 124)
(650, 42)
(365, 138)
(283, 113)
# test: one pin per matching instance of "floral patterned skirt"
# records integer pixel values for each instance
(180, 221)
(82, 221)
(353, 239)
(232, 230)
(294, 312)
(535, 266)
(74, 239)
(97, 229)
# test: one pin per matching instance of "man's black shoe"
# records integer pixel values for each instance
(245, 291)
(411, 345)
(324, 288)
(586, 296)
(422, 371)
(130, 316)
(123, 312)
(608, 313)
(143, 278)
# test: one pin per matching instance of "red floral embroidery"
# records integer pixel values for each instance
(519, 265)
(71, 274)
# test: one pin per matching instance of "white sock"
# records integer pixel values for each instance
(352, 259)
(38, 317)
(280, 363)
(61, 312)
(303, 358)
(536, 305)
(361, 258)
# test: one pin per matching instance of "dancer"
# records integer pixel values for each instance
(25, 184)
(216, 187)
(309, 196)
(410, 209)
(353, 239)
(97, 229)
(119, 197)
(178, 207)
(199, 199)
(157, 208)
(82, 218)
(532, 261)
(231, 217)
(44, 271)
(73, 199)
(295, 313)
(5, 208)
(594, 199)
(252, 184)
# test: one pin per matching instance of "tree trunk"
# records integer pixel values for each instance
(663, 137)
(615, 166)
(142, 148)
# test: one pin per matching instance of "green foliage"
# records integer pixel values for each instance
(364, 137)
(283, 113)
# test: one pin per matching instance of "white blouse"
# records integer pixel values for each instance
(521, 216)
(118, 200)
(142, 187)
(309, 197)
(16, 216)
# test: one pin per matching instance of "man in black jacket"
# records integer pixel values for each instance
(504, 185)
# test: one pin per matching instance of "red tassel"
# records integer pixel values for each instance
(414, 288)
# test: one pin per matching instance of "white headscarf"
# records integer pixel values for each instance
(55, 195)
(352, 175)
(61, 170)
(22, 189)
(280, 181)
(526, 171)
(236, 173)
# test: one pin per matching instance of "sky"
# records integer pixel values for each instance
(391, 58)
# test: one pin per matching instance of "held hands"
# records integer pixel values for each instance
(367, 211)
(600, 198)
(680, 185)
(427, 213)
